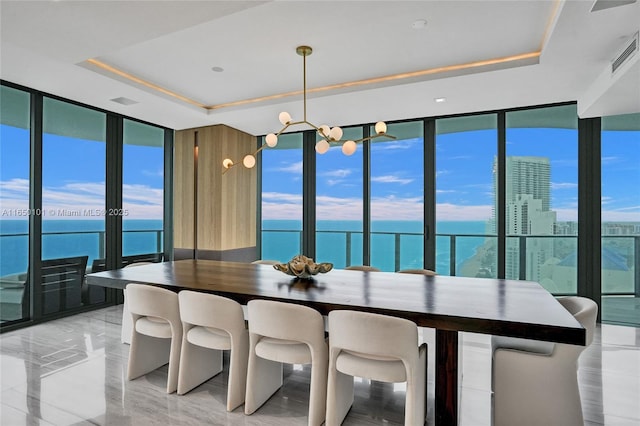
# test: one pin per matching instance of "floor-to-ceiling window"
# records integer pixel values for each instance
(73, 197)
(466, 150)
(620, 174)
(142, 188)
(397, 198)
(282, 199)
(14, 202)
(55, 204)
(339, 203)
(541, 197)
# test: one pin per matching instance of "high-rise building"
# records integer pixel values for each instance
(528, 212)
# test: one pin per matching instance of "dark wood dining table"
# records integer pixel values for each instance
(448, 304)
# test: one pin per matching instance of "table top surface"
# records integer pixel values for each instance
(484, 305)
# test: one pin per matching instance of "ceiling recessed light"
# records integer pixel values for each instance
(439, 100)
(217, 69)
(419, 24)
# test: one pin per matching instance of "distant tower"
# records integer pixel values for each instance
(528, 203)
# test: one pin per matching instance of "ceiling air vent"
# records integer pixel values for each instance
(628, 50)
(124, 101)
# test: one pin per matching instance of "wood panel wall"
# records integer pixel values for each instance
(221, 208)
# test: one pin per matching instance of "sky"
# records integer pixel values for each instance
(74, 176)
(464, 177)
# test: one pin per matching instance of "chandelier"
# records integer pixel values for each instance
(328, 134)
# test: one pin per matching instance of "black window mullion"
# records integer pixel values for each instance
(501, 197)
(589, 211)
(366, 197)
(167, 213)
(34, 308)
(309, 194)
(113, 222)
(429, 205)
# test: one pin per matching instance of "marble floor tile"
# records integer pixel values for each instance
(72, 371)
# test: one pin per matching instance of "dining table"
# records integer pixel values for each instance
(448, 304)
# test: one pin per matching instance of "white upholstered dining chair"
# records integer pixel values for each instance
(156, 333)
(284, 332)
(375, 347)
(365, 268)
(536, 383)
(212, 324)
(127, 326)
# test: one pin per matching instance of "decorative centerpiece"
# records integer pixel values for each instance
(303, 267)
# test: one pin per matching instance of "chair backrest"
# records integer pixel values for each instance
(584, 310)
(265, 262)
(133, 265)
(427, 272)
(152, 301)
(365, 268)
(286, 321)
(374, 334)
(209, 310)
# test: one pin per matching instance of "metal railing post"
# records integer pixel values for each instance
(348, 253)
(522, 267)
(452, 255)
(397, 251)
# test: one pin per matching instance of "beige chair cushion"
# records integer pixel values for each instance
(209, 337)
(390, 371)
(154, 327)
(286, 351)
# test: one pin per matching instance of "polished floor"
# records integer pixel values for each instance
(72, 372)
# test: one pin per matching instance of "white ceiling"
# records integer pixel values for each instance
(174, 45)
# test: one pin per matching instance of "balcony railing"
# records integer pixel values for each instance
(548, 259)
(73, 243)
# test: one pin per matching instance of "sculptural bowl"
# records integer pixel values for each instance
(303, 267)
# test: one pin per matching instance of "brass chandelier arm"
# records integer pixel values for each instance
(328, 134)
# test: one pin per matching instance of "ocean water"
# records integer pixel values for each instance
(281, 240)
(64, 238)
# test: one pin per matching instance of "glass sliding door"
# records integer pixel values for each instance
(397, 197)
(142, 190)
(14, 203)
(466, 235)
(73, 201)
(282, 199)
(542, 197)
(620, 170)
(339, 204)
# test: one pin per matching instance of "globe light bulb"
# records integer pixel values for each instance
(381, 128)
(272, 140)
(227, 163)
(325, 131)
(249, 161)
(322, 146)
(285, 118)
(348, 148)
(336, 133)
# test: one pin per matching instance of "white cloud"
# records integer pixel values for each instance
(563, 185)
(291, 168)
(140, 201)
(338, 173)
(391, 179)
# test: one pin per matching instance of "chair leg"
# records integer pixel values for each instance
(264, 378)
(127, 322)
(236, 388)
(146, 354)
(318, 392)
(197, 365)
(174, 363)
(339, 396)
(415, 409)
